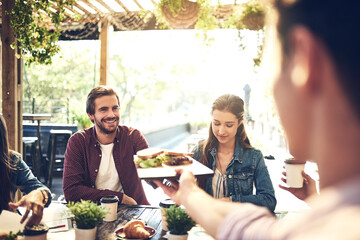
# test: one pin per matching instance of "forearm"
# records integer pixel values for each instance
(77, 192)
(205, 210)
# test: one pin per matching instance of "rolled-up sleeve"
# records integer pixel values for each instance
(247, 222)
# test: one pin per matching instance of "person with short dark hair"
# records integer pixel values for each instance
(15, 174)
(99, 160)
(317, 96)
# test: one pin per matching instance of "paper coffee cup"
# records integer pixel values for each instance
(167, 203)
(293, 169)
(110, 203)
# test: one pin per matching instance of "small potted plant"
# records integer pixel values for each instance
(87, 216)
(178, 223)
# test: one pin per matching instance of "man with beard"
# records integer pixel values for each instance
(99, 160)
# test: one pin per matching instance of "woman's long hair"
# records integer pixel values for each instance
(5, 166)
(235, 105)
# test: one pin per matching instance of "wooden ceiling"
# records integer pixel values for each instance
(122, 14)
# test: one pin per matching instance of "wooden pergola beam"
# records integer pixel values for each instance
(11, 81)
(104, 51)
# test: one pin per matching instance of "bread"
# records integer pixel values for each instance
(136, 229)
(149, 153)
(171, 153)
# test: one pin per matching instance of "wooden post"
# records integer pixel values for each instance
(11, 81)
(104, 53)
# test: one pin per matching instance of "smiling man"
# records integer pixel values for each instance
(99, 160)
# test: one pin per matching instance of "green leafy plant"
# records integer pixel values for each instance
(83, 120)
(204, 19)
(13, 236)
(250, 15)
(37, 27)
(179, 222)
(87, 213)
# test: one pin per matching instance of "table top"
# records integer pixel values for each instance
(36, 116)
(105, 231)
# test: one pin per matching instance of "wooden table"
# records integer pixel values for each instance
(37, 117)
(105, 231)
(151, 216)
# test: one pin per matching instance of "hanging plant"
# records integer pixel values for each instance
(183, 14)
(37, 27)
(251, 15)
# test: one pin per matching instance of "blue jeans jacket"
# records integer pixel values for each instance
(246, 169)
(21, 176)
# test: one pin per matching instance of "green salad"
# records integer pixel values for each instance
(149, 163)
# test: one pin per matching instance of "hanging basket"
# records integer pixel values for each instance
(186, 18)
(253, 21)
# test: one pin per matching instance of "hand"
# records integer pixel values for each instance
(178, 190)
(128, 200)
(309, 187)
(33, 202)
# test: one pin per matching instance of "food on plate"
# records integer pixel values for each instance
(172, 158)
(149, 157)
(136, 229)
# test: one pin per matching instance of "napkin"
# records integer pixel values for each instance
(10, 221)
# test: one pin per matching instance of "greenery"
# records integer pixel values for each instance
(206, 21)
(179, 222)
(37, 27)
(87, 214)
(13, 236)
(82, 120)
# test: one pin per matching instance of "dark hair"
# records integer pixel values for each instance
(335, 23)
(96, 93)
(235, 105)
(5, 166)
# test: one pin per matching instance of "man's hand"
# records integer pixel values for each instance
(33, 202)
(309, 187)
(128, 200)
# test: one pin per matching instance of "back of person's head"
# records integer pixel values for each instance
(335, 23)
(5, 185)
(97, 92)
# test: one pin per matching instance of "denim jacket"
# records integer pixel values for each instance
(246, 169)
(22, 177)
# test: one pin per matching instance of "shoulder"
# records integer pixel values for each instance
(253, 153)
(82, 135)
(129, 131)
(15, 158)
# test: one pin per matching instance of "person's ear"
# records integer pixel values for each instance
(306, 54)
(91, 116)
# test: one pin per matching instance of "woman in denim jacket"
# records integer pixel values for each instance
(15, 174)
(238, 167)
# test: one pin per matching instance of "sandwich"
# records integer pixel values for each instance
(172, 158)
(148, 158)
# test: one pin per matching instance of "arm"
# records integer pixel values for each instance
(36, 197)
(205, 210)
(265, 195)
(76, 182)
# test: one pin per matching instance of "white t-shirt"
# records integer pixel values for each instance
(107, 177)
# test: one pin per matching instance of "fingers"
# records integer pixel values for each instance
(17, 204)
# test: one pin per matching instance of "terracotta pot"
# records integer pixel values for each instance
(85, 234)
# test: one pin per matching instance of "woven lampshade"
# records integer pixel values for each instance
(187, 17)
